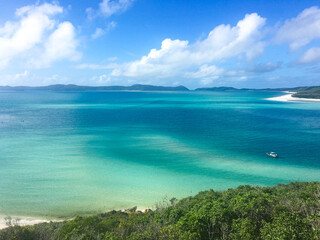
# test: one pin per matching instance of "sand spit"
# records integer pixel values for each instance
(289, 98)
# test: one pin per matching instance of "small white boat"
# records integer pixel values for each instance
(272, 154)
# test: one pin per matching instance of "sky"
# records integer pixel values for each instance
(199, 43)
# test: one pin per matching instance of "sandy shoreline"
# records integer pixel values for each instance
(21, 221)
(289, 98)
(28, 221)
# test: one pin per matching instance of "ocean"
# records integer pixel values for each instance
(69, 153)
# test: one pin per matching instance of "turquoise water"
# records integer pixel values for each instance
(66, 153)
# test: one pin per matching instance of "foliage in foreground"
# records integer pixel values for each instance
(284, 212)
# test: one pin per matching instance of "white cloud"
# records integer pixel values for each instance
(21, 75)
(175, 56)
(207, 74)
(61, 44)
(90, 13)
(27, 78)
(107, 8)
(243, 78)
(110, 7)
(112, 59)
(100, 32)
(224, 41)
(205, 71)
(274, 78)
(264, 67)
(104, 79)
(158, 63)
(15, 79)
(36, 29)
(301, 30)
(311, 56)
(97, 66)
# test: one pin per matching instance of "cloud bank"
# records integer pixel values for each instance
(37, 37)
(205, 60)
(301, 30)
(177, 56)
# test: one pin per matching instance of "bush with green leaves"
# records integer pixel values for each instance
(283, 212)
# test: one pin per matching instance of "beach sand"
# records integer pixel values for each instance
(289, 98)
(20, 221)
(28, 221)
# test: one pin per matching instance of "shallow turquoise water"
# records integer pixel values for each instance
(65, 153)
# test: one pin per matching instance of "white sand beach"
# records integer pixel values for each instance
(28, 221)
(289, 98)
(20, 221)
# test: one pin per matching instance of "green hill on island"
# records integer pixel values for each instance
(283, 212)
(308, 92)
(301, 92)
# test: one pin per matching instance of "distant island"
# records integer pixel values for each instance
(312, 92)
(73, 87)
(308, 92)
(299, 92)
(282, 212)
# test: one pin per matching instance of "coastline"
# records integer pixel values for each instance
(153, 225)
(22, 221)
(29, 221)
(289, 98)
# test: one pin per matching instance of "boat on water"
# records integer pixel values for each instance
(272, 154)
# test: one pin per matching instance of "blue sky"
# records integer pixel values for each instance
(161, 42)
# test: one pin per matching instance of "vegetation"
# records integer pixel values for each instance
(218, 89)
(284, 212)
(308, 92)
(301, 92)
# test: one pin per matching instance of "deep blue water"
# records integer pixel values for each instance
(64, 153)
